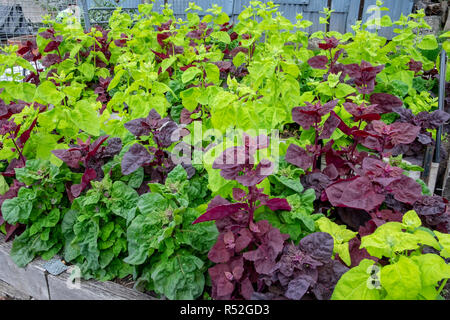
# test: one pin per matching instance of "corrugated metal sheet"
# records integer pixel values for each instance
(396, 8)
(121, 3)
(345, 14)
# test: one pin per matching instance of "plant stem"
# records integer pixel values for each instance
(441, 287)
(20, 152)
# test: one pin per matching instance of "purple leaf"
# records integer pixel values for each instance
(50, 60)
(134, 158)
(318, 245)
(330, 43)
(385, 102)
(277, 204)
(298, 287)
(406, 190)
(52, 45)
(72, 157)
(256, 176)
(430, 205)
(298, 157)
(355, 193)
(138, 127)
(318, 62)
(220, 212)
(88, 175)
(329, 126)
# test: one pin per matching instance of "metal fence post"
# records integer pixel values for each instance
(442, 72)
(87, 22)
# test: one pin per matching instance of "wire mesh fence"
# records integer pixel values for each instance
(20, 19)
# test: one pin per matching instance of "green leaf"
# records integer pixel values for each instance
(190, 74)
(289, 68)
(124, 200)
(87, 232)
(341, 237)
(444, 241)
(426, 237)
(355, 284)
(178, 174)
(87, 70)
(136, 178)
(21, 252)
(47, 93)
(115, 81)
(411, 220)
(16, 210)
(428, 42)
(212, 73)
(433, 269)
(3, 185)
(152, 202)
(85, 117)
(105, 258)
(401, 280)
(180, 277)
(388, 239)
(239, 59)
(290, 183)
(222, 36)
(342, 90)
(189, 97)
(142, 235)
(221, 18)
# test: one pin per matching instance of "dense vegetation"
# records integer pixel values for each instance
(207, 159)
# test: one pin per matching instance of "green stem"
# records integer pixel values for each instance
(441, 287)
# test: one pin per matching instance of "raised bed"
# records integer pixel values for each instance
(36, 282)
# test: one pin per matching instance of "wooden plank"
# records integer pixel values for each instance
(9, 292)
(29, 280)
(91, 290)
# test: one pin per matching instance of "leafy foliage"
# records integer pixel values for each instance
(40, 206)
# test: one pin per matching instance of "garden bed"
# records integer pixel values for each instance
(205, 160)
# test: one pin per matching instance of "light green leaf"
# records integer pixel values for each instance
(190, 74)
(222, 36)
(428, 42)
(411, 220)
(401, 280)
(212, 73)
(85, 117)
(433, 269)
(47, 93)
(355, 284)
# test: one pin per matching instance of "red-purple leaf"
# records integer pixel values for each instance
(385, 102)
(220, 212)
(277, 204)
(88, 175)
(318, 62)
(134, 158)
(355, 193)
(298, 157)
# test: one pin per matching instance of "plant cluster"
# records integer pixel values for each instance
(141, 150)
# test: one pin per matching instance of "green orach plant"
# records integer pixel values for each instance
(410, 272)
